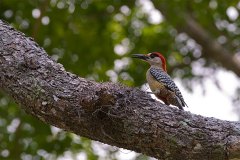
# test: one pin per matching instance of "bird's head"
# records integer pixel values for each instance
(153, 58)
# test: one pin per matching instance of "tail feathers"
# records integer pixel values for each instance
(174, 100)
(180, 103)
(185, 104)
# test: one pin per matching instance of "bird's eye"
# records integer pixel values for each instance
(153, 55)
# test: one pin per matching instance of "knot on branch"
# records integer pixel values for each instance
(99, 97)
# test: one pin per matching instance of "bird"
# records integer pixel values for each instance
(160, 83)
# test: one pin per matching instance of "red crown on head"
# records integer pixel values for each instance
(164, 66)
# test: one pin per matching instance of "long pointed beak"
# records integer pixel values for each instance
(140, 56)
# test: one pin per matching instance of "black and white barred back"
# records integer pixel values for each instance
(164, 78)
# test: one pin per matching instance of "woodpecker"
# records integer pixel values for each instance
(160, 82)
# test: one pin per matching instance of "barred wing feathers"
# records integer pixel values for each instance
(165, 79)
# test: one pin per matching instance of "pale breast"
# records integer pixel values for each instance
(153, 83)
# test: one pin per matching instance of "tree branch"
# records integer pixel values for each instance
(107, 112)
(213, 49)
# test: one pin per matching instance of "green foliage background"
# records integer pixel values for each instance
(94, 39)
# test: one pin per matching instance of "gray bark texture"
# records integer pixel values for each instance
(110, 113)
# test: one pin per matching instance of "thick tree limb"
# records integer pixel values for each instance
(107, 112)
(211, 47)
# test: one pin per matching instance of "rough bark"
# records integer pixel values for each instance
(211, 48)
(107, 112)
